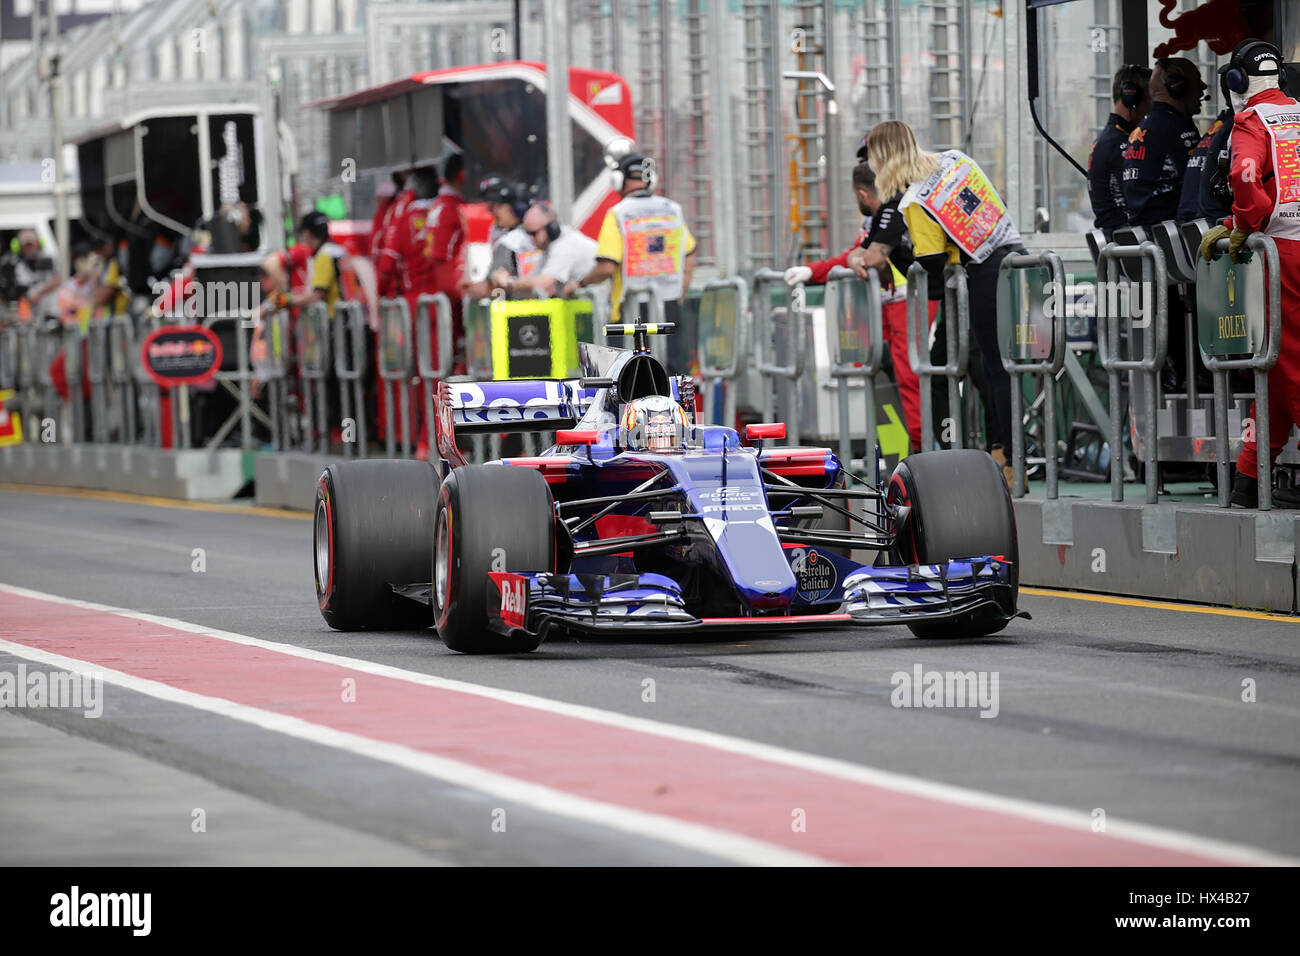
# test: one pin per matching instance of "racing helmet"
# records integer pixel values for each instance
(655, 423)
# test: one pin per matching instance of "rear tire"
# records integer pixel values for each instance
(961, 508)
(489, 517)
(373, 529)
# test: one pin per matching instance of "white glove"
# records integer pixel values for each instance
(796, 274)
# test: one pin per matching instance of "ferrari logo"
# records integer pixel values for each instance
(1232, 287)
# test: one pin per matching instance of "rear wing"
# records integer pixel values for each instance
(470, 408)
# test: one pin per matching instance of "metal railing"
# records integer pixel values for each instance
(1047, 367)
(429, 372)
(1260, 363)
(350, 369)
(769, 320)
(313, 370)
(123, 373)
(395, 370)
(956, 314)
(723, 307)
(273, 370)
(844, 325)
(1155, 284)
(96, 373)
(599, 306)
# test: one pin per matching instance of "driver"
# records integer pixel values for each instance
(655, 423)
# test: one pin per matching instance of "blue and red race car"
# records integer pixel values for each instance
(639, 521)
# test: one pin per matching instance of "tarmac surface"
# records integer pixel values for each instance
(1120, 731)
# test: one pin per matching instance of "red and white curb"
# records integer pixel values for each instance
(715, 794)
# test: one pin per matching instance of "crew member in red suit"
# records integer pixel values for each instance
(440, 264)
(1265, 180)
(445, 245)
(881, 245)
(403, 268)
(384, 210)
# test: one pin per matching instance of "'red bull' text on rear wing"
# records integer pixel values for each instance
(470, 408)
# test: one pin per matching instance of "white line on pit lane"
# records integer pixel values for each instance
(1066, 817)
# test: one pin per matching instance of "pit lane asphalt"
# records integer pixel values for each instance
(1131, 709)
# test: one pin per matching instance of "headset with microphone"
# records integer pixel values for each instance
(1248, 54)
(552, 226)
(1175, 81)
(1130, 90)
(635, 166)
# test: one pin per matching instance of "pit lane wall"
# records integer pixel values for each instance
(1176, 552)
(188, 474)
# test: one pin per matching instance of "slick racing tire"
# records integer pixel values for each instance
(373, 529)
(489, 518)
(960, 509)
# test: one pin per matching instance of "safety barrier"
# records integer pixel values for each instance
(430, 373)
(147, 389)
(477, 318)
(1155, 286)
(395, 370)
(74, 370)
(235, 381)
(96, 373)
(956, 312)
(599, 306)
(313, 369)
(850, 301)
(270, 359)
(723, 308)
(350, 369)
(1033, 309)
(8, 357)
(769, 323)
(1259, 362)
(122, 366)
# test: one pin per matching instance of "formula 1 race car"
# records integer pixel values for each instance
(639, 522)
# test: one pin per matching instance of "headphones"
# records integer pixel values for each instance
(1175, 82)
(517, 195)
(553, 227)
(1237, 76)
(494, 189)
(1130, 91)
(635, 166)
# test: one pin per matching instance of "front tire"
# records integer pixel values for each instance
(961, 508)
(489, 518)
(373, 528)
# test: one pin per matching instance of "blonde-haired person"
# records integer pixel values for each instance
(954, 215)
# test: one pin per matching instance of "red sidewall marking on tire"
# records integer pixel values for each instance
(323, 599)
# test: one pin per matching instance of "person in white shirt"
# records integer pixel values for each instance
(567, 254)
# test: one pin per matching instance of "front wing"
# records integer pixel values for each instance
(652, 603)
